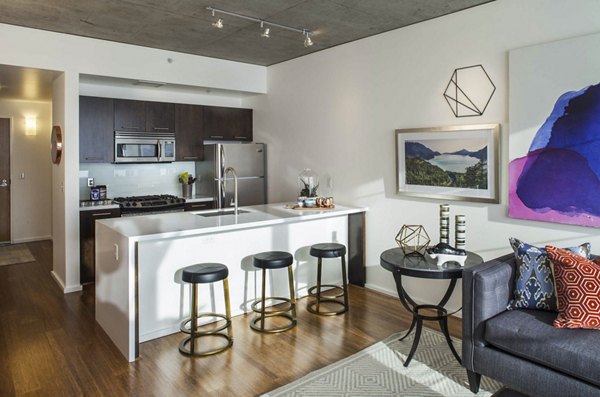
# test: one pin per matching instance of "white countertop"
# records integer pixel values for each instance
(182, 224)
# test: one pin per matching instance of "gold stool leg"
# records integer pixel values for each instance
(262, 311)
(227, 306)
(345, 282)
(194, 318)
(319, 263)
(292, 293)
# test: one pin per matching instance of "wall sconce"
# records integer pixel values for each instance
(30, 126)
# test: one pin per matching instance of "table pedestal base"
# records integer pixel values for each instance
(442, 318)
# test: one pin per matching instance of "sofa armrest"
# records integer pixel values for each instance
(487, 289)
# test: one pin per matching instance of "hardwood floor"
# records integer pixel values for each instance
(50, 344)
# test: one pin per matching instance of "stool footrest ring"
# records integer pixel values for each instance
(185, 329)
(311, 309)
(186, 350)
(312, 291)
(287, 308)
(290, 325)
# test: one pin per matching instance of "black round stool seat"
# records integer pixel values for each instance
(204, 273)
(273, 260)
(328, 250)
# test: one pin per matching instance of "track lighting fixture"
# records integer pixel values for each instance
(266, 31)
(307, 40)
(218, 24)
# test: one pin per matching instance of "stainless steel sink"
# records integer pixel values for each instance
(221, 213)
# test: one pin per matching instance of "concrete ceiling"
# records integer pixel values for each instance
(185, 25)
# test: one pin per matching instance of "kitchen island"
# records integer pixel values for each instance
(139, 292)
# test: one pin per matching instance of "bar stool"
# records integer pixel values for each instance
(328, 250)
(205, 273)
(267, 261)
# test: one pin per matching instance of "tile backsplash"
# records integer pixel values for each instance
(134, 179)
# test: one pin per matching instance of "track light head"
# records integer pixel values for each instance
(266, 32)
(307, 40)
(218, 24)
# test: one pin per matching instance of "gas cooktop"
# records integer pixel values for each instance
(150, 203)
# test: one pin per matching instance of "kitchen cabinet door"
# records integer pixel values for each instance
(130, 115)
(96, 130)
(87, 241)
(160, 117)
(188, 132)
(227, 124)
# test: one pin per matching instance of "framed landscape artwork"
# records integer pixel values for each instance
(554, 141)
(449, 163)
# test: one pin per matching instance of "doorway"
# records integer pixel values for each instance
(4, 181)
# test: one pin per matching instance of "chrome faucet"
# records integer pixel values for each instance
(235, 186)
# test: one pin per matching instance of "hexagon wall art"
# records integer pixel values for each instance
(469, 91)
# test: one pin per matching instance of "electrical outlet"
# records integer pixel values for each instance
(90, 182)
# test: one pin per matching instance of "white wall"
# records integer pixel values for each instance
(335, 111)
(76, 55)
(30, 205)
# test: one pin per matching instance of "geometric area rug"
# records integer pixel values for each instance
(13, 254)
(378, 370)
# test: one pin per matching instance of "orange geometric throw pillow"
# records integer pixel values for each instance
(577, 289)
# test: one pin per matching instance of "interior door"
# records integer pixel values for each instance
(4, 181)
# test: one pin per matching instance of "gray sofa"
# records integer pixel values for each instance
(521, 348)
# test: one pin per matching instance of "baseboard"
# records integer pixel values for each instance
(61, 284)
(417, 300)
(31, 239)
(382, 290)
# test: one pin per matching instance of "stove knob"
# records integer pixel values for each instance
(127, 204)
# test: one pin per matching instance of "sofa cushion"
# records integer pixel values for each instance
(529, 334)
(534, 282)
(577, 289)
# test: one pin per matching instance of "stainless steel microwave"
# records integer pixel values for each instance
(144, 147)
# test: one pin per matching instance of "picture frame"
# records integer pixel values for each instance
(449, 163)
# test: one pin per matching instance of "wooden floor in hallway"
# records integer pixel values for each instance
(50, 344)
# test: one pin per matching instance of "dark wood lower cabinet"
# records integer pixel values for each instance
(356, 249)
(200, 205)
(87, 241)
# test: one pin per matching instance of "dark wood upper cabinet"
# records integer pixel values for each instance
(133, 115)
(160, 117)
(130, 115)
(96, 130)
(229, 124)
(188, 132)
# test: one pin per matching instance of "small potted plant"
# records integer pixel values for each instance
(187, 182)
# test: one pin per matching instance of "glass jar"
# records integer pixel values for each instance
(308, 180)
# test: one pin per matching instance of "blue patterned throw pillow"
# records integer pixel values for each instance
(534, 281)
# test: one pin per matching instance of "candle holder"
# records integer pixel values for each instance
(445, 223)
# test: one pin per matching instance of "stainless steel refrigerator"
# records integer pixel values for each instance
(248, 160)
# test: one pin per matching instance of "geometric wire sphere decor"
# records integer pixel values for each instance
(413, 239)
(469, 91)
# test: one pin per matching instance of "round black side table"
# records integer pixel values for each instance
(400, 265)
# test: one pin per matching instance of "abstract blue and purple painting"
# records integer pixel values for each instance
(558, 180)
